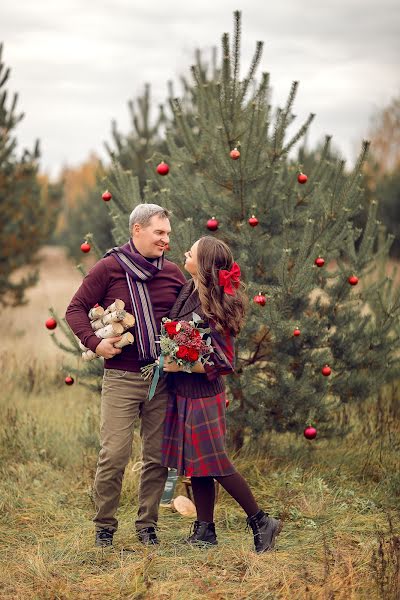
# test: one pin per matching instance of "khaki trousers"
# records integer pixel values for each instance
(123, 399)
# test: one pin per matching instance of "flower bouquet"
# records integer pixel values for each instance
(185, 342)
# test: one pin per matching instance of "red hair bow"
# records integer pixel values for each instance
(230, 279)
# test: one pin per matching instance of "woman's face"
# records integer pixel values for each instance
(191, 259)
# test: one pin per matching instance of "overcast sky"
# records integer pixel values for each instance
(75, 63)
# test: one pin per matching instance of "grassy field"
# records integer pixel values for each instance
(339, 499)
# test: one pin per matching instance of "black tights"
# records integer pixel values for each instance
(204, 495)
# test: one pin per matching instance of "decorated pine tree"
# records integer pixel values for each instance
(133, 150)
(323, 321)
(84, 185)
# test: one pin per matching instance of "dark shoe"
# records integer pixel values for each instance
(203, 533)
(104, 537)
(148, 535)
(265, 529)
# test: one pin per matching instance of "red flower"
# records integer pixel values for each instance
(196, 333)
(182, 352)
(193, 354)
(170, 328)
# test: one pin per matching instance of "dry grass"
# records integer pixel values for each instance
(339, 500)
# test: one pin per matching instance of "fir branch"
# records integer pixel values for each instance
(235, 101)
(253, 67)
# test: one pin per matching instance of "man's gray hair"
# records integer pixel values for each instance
(142, 214)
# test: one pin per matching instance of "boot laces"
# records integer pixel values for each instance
(104, 534)
(194, 528)
(254, 527)
(254, 524)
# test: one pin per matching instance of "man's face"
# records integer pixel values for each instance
(151, 240)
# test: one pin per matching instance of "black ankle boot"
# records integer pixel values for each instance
(203, 533)
(265, 529)
(148, 536)
(104, 537)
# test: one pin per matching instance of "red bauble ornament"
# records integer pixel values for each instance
(253, 221)
(85, 247)
(260, 299)
(310, 433)
(69, 380)
(319, 261)
(212, 224)
(296, 332)
(162, 168)
(51, 323)
(226, 402)
(326, 371)
(106, 196)
(302, 178)
(353, 280)
(234, 154)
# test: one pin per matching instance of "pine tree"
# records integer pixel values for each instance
(82, 197)
(383, 168)
(319, 336)
(25, 220)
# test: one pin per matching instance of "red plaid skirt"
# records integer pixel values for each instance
(194, 436)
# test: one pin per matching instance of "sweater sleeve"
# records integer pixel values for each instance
(223, 356)
(91, 292)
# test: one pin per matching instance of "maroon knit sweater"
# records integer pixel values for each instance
(105, 282)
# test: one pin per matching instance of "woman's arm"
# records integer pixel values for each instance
(223, 357)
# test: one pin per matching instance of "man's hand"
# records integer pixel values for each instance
(170, 365)
(106, 348)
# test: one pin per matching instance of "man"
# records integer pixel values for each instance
(138, 274)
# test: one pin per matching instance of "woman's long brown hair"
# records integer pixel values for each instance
(225, 310)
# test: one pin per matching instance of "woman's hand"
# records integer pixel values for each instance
(170, 365)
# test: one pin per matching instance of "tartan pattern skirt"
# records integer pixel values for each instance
(194, 436)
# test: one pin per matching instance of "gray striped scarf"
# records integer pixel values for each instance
(138, 271)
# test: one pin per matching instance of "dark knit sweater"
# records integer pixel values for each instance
(105, 282)
(210, 383)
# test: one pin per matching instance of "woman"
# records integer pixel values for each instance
(194, 434)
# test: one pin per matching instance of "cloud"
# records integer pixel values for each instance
(76, 63)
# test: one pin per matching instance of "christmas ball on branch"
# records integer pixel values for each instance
(162, 168)
(212, 224)
(69, 380)
(253, 221)
(353, 280)
(296, 332)
(234, 154)
(326, 371)
(106, 196)
(51, 323)
(85, 247)
(302, 178)
(310, 433)
(226, 402)
(319, 261)
(260, 299)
